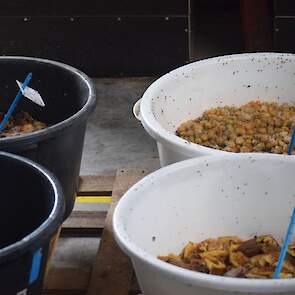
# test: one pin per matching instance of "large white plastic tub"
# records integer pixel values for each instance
(241, 194)
(187, 92)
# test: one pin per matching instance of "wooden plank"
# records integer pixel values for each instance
(67, 278)
(85, 219)
(112, 271)
(134, 287)
(97, 183)
(71, 265)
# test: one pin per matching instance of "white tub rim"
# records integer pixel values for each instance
(175, 142)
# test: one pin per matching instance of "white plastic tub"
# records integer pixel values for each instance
(241, 194)
(187, 92)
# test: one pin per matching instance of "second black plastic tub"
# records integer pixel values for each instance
(69, 96)
(31, 213)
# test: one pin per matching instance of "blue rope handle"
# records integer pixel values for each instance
(15, 102)
(284, 249)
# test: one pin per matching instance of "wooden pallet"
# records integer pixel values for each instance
(110, 272)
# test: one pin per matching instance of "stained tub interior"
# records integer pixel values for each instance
(186, 93)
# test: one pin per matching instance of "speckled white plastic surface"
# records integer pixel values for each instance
(187, 92)
(236, 194)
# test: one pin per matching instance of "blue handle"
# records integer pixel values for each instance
(15, 102)
(284, 249)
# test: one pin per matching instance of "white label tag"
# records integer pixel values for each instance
(23, 292)
(31, 94)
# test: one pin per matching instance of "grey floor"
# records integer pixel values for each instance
(114, 138)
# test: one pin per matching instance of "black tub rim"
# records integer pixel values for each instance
(53, 221)
(50, 131)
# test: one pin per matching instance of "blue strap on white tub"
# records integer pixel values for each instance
(292, 142)
(284, 249)
(15, 102)
(36, 266)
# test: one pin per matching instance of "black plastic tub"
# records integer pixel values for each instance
(69, 96)
(32, 209)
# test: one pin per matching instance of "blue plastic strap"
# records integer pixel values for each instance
(36, 266)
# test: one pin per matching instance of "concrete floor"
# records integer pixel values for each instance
(114, 138)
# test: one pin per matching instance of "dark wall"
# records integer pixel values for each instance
(102, 38)
(284, 25)
(217, 28)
